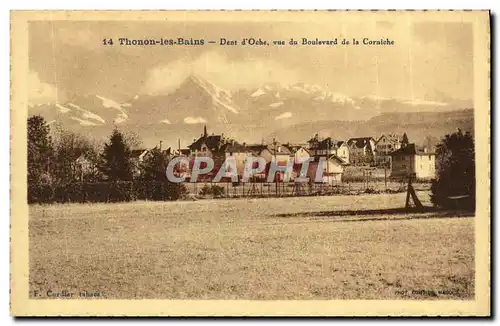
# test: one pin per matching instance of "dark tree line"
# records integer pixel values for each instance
(66, 167)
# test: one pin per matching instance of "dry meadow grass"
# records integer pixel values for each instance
(289, 248)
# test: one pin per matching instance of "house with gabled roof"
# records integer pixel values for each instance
(255, 149)
(328, 146)
(361, 150)
(298, 152)
(411, 160)
(213, 146)
(275, 152)
(342, 151)
(322, 147)
(388, 143)
(327, 169)
(237, 153)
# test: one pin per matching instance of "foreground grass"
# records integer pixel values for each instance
(293, 248)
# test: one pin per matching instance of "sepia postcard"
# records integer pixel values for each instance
(250, 163)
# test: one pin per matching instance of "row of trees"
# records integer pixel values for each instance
(54, 166)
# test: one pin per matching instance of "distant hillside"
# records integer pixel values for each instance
(417, 125)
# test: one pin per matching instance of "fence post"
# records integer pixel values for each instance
(385, 176)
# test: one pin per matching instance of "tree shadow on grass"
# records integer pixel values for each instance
(386, 213)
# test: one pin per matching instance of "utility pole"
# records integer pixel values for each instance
(327, 163)
(275, 162)
(385, 175)
(365, 178)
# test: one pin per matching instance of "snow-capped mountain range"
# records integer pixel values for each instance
(198, 101)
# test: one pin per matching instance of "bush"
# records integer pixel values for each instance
(214, 190)
(176, 191)
(218, 191)
(455, 185)
(370, 191)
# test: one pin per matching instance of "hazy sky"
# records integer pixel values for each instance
(429, 61)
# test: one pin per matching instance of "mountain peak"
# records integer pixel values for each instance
(206, 86)
(195, 79)
(200, 81)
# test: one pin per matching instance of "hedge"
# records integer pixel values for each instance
(105, 192)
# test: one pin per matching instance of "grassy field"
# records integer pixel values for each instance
(342, 247)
